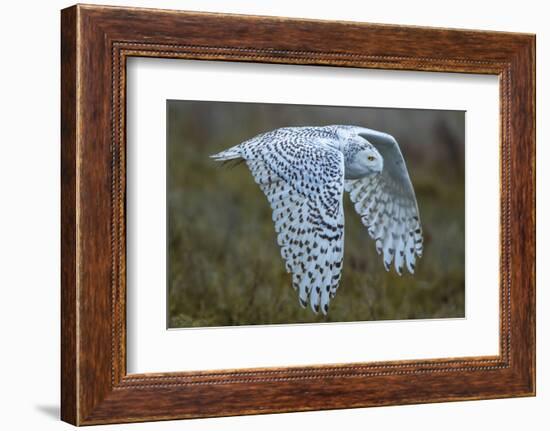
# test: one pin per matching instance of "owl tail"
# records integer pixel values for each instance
(229, 154)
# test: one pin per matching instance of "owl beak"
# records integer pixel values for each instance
(381, 167)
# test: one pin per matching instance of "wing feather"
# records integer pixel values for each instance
(303, 181)
(387, 205)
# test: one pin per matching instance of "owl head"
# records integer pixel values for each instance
(361, 158)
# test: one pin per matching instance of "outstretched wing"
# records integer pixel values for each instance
(387, 205)
(304, 182)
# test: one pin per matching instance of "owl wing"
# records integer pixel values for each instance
(387, 205)
(304, 183)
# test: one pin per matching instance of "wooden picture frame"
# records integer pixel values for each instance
(95, 43)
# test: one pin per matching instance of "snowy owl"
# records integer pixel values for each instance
(304, 171)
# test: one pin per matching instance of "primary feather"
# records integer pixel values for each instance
(303, 172)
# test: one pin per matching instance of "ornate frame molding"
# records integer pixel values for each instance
(96, 41)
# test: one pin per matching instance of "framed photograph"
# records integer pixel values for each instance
(264, 214)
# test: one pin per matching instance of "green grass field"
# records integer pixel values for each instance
(224, 266)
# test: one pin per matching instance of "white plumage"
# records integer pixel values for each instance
(304, 171)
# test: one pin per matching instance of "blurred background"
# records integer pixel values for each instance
(224, 265)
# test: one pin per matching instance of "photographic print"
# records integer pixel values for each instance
(235, 201)
(286, 214)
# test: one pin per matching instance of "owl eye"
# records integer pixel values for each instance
(371, 158)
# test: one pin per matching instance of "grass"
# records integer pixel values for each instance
(224, 264)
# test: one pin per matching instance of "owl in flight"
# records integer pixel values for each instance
(304, 172)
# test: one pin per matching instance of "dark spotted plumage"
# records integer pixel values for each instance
(303, 171)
